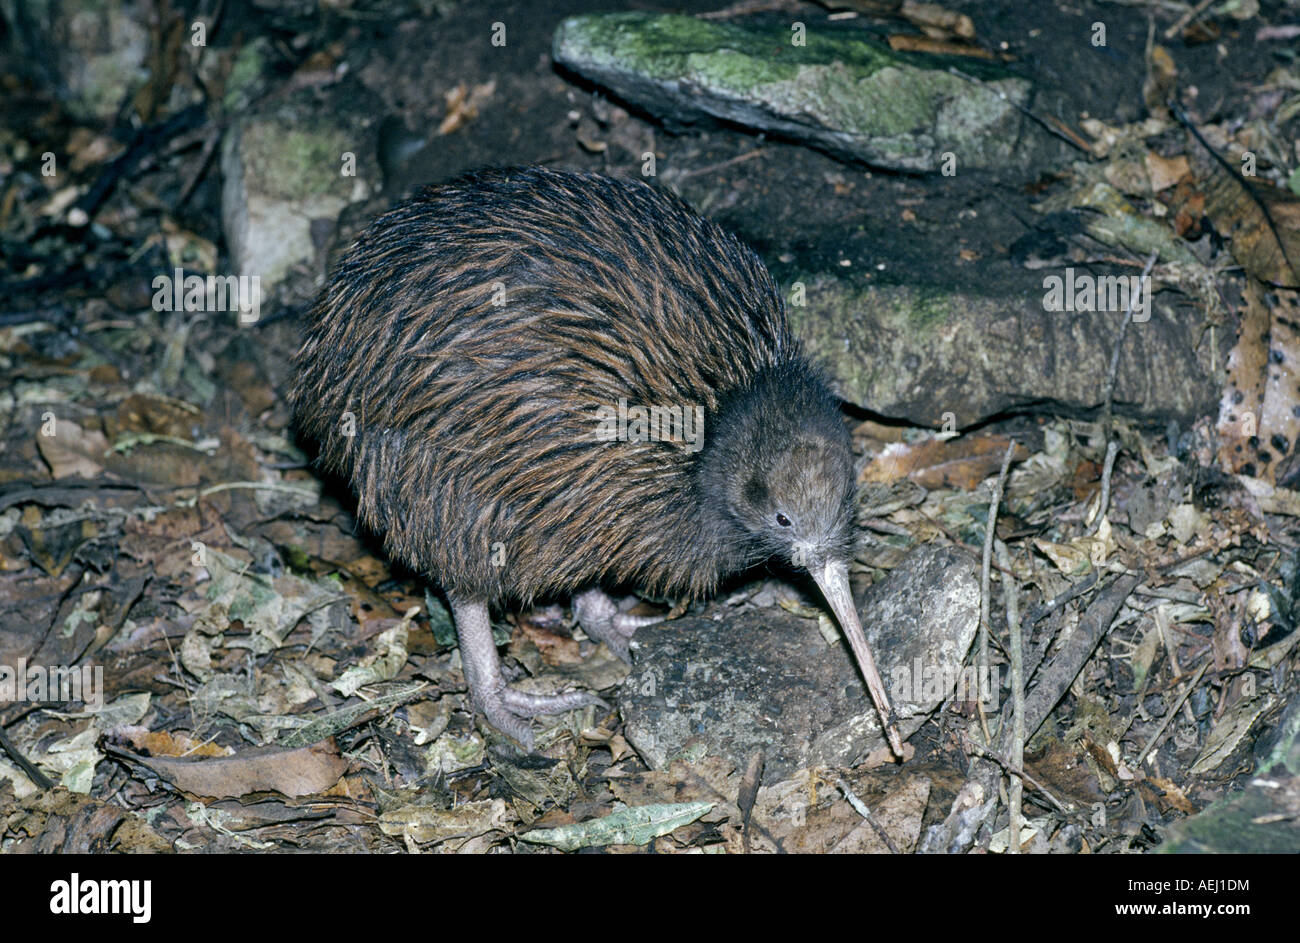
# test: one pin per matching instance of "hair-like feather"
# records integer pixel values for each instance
(472, 334)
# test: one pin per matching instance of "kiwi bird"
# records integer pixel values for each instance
(542, 384)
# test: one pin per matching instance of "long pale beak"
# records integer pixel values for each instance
(833, 580)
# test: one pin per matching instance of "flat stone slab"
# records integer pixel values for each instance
(771, 680)
(918, 353)
(840, 89)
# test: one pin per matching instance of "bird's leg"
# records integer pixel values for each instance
(506, 709)
(601, 618)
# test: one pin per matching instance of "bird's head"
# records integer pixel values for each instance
(777, 476)
(777, 470)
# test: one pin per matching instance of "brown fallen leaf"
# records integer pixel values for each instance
(429, 824)
(557, 647)
(1260, 221)
(906, 42)
(1263, 223)
(170, 743)
(69, 450)
(50, 543)
(1086, 480)
(149, 412)
(941, 463)
(1258, 422)
(319, 69)
(1164, 172)
(1188, 203)
(898, 815)
(1060, 768)
(1168, 795)
(301, 772)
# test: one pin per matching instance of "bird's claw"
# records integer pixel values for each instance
(510, 710)
(601, 618)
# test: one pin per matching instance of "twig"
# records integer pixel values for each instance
(738, 159)
(1185, 20)
(743, 8)
(747, 794)
(1171, 648)
(861, 808)
(1108, 408)
(28, 768)
(1013, 770)
(1038, 613)
(244, 486)
(1074, 654)
(989, 527)
(146, 141)
(1112, 449)
(1072, 139)
(1169, 714)
(1016, 792)
(205, 157)
(62, 492)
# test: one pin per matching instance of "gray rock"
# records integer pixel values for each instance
(1263, 819)
(767, 679)
(1279, 748)
(842, 90)
(281, 170)
(92, 51)
(916, 353)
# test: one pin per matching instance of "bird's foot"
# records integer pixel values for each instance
(510, 710)
(603, 620)
(507, 709)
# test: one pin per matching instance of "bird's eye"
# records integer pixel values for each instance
(782, 519)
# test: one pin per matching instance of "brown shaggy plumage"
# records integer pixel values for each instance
(454, 368)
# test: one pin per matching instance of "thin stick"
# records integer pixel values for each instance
(244, 485)
(1119, 343)
(1108, 407)
(747, 793)
(1112, 449)
(1169, 715)
(861, 808)
(729, 162)
(28, 767)
(989, 527)
(1014, 770)
(1171, 648)
(1185, 20)
(1069, 138)
(1016, 792)
(1055, 679)
(1037, 614)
